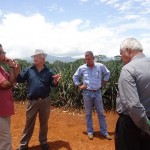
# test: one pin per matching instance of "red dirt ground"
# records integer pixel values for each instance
(67, 130)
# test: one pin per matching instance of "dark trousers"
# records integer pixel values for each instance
(129, 137)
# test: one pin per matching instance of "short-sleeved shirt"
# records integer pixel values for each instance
(6, 98)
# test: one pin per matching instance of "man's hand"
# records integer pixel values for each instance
(56, 78)
(103, 83)
(82, 87)
(11, 63)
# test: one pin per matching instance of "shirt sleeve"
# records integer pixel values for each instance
(22, 77)
(76, 77)
(130, 99)
(106, 73)
(51, 78)
(2, 79)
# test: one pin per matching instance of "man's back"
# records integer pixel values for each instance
(140, 71)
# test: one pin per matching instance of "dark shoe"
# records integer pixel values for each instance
(90, 136)
(22, 148)
(45, 147)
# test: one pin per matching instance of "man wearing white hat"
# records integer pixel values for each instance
(40, 79)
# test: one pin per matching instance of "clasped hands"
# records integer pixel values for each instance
(11, 63)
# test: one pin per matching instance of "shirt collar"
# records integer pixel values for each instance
(93, 66)
(139, 56)
(34, 67)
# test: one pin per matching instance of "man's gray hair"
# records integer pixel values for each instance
(89, 53)
(132, 44)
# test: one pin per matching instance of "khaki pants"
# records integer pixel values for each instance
(34, 107)
(5, 135)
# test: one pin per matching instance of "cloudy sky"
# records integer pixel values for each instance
(71, 27)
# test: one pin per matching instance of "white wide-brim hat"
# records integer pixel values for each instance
(39, 51)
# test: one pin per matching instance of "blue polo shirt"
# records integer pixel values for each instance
(39, 83)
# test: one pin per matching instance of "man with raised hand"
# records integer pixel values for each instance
(40, 79)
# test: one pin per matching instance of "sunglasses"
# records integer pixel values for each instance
(2, 53)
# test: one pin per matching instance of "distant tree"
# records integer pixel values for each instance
(23, 64)
(100, 58)
(117, 57)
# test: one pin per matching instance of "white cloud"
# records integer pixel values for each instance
(125, 6)
(111, 2)
(55, 7)
(21, 35)
(131, 17)
(84, 0)
(1, 13)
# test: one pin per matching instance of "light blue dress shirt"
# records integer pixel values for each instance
(91, 77)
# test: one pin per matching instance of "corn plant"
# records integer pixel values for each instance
(20, 89)
(66, 94)
(20, 92)
(109, 93)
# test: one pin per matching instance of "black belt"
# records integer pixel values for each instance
(39, 98)
(92, 90)
(123, 115)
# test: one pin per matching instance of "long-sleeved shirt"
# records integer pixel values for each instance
(39, 83)
(134, 91)
(91, 77)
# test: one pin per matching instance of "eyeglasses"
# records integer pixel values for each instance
(2, 53)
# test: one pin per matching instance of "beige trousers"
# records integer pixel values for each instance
(5, 135)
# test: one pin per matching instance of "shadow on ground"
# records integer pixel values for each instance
(55, 145)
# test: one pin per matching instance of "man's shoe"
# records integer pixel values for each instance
(45, 147)
(22, 148)
(90, 136)
(108, 137)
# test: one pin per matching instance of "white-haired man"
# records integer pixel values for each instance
(133, 101)
(40, 79)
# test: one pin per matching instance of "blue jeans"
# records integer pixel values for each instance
(94, 99)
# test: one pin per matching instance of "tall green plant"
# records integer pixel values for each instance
(20, 89)
(66, 94)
